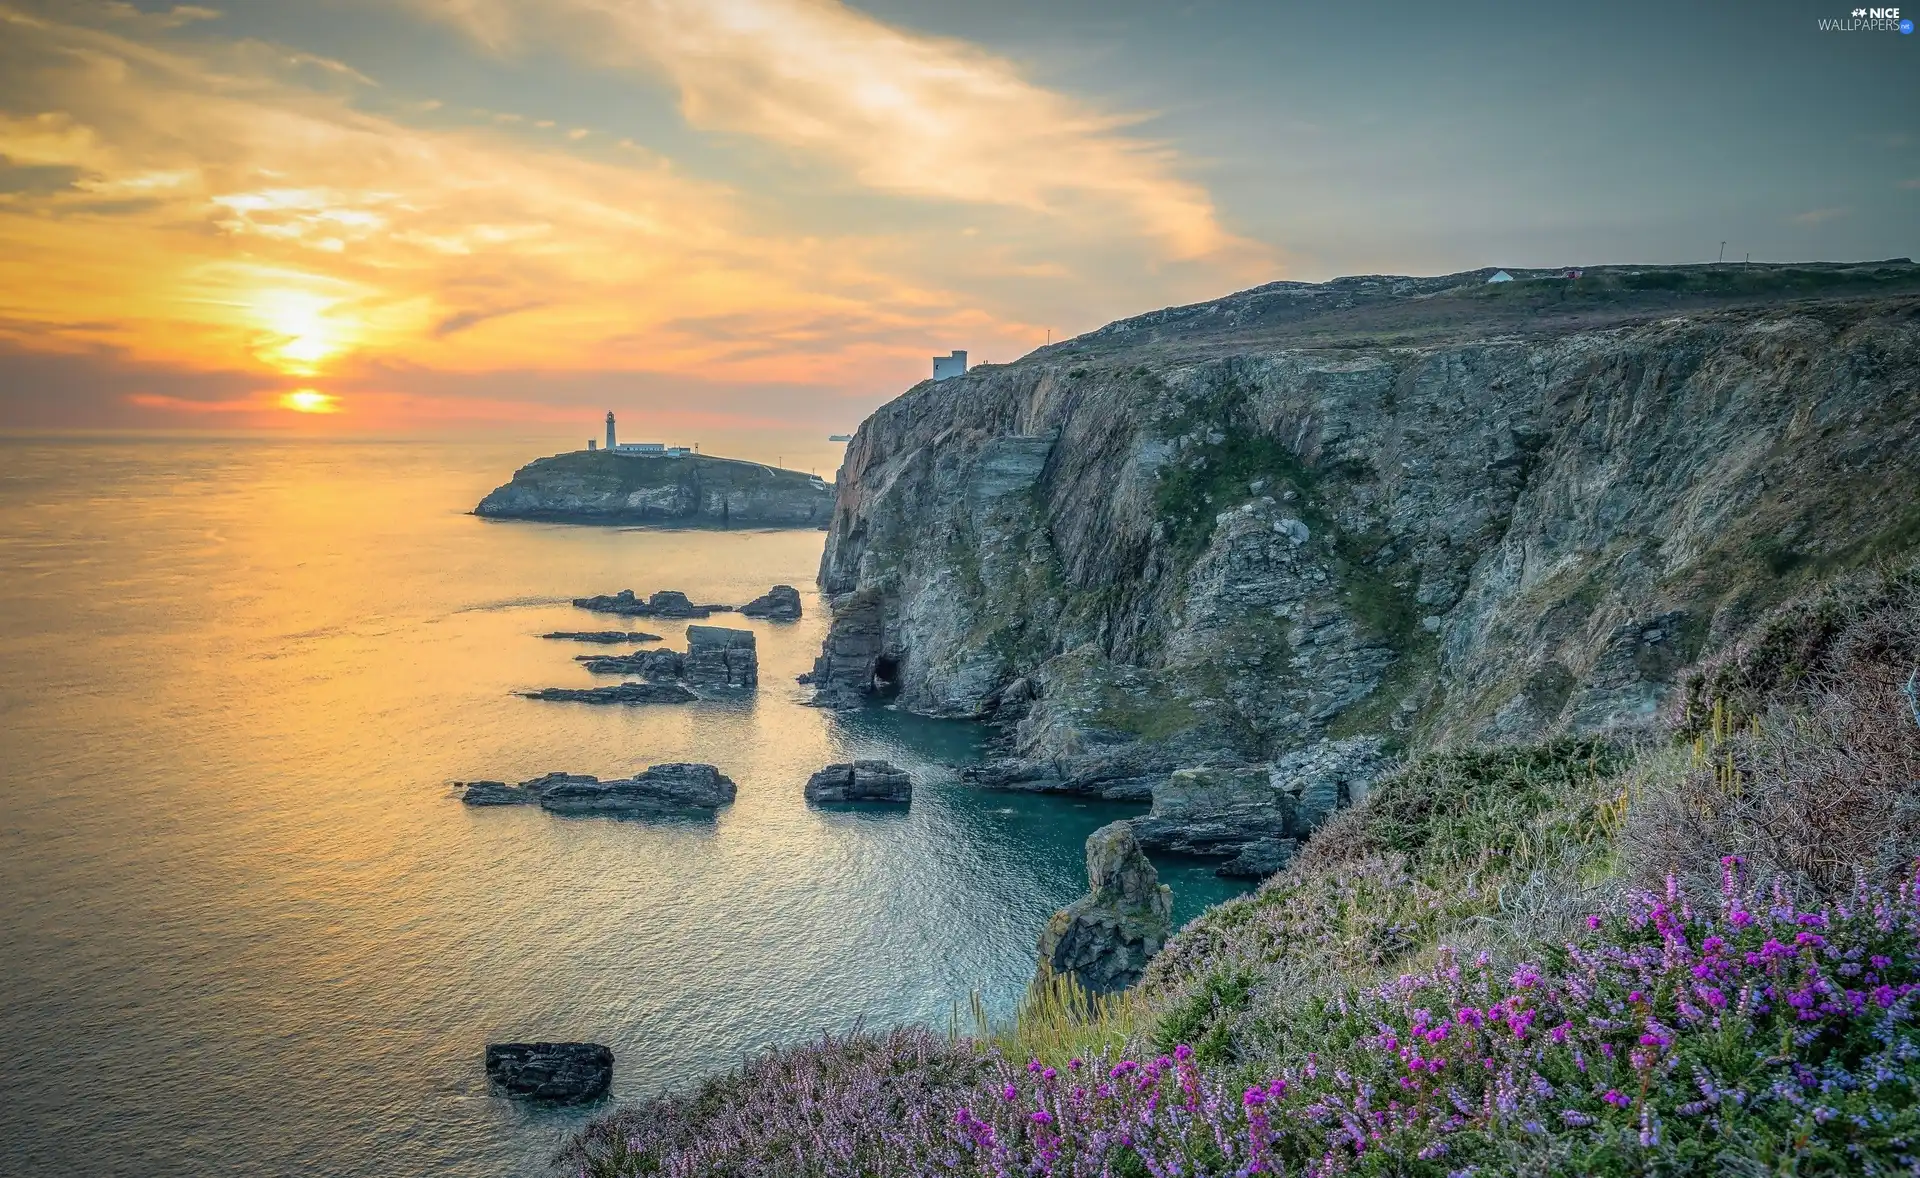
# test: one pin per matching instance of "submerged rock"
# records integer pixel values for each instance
(1105, 938)
(670, 786)
(780, 603)
(861, 781)
(603, 637)
(561, 1072)
(624, 693)
(720, 657)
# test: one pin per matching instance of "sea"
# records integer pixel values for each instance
(248, 926)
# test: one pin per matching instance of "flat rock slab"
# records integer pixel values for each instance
(672, 786)
(564, 1073)
(780, 603)
(861, 781)
(624, 693)
(603, 637)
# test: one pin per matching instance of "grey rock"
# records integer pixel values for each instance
(558, 1072)
(658, 665)
(667, 603)
(1553, 487)
(603, 637)
(860, 781)
(1255, 816)
(671, 786)
(1106, 937)
(663, 787)
(720, 657)
(493, 793)
(780, 603)
(624, 693)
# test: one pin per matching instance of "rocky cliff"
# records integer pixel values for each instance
(1411, 510)
(599, 486)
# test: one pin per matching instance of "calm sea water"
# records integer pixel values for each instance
(249, 929)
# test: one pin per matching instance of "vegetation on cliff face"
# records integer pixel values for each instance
(1696, 953)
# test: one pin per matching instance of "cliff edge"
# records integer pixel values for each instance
(1404, 510)
(603, 487)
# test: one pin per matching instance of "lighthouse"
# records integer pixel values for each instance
(610, 444)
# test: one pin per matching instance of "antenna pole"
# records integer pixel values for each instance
(1723, 251)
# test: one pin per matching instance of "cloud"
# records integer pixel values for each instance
(1819, 216)
(900, 112)
(205, 212)
(1913, 182)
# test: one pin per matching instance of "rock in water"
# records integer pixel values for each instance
(692, 490)
(861, 781)
(1105, 938)
(665, 787)
(561, 1072)
(625, 693)
(657, 665)
(603, 637)
(719, 657)
(673, 786)
(667, 603)
(1254, 817)
(780, 603)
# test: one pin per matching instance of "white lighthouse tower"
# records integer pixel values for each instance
(610, 442)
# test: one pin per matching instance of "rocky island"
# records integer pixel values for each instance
(688, 491)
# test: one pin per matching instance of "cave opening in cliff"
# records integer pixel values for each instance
(886, 675)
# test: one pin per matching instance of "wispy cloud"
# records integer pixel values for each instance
(900, 112)
(1820, 216)
(206, 209)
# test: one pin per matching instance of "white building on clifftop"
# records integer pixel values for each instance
(954, 365)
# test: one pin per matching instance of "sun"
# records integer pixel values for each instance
(309, 401)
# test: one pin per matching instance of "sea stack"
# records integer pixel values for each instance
(861, 781)
(1105, 938)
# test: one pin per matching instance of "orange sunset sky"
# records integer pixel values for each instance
(763, 216)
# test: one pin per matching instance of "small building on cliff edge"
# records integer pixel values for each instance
(946, 366)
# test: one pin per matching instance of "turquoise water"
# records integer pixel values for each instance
(249, 928)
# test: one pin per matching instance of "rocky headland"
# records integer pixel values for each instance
(1236, 558)
(695, 490)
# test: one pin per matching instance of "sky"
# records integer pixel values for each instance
(753, 221)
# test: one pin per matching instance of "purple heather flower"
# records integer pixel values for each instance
(1617, 1098)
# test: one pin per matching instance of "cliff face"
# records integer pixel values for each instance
(694, 491)
(1408, 509)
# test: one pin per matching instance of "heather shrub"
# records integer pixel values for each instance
(1754, 1037)
(842, 1105)
(1487, 847)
